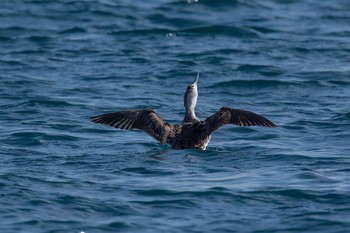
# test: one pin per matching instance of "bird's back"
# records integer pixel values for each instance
(189, 136)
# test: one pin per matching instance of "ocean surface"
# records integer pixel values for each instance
(63, 61)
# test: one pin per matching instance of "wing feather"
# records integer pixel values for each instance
(146, 120)
(238, 117)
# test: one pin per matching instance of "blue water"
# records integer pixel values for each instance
(63, 61)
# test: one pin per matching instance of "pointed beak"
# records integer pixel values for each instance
(196, 80)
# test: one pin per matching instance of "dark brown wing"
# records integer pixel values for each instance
(235, 116)
(146, 120)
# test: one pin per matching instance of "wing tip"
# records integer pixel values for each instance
(272, 125)
(95, 119)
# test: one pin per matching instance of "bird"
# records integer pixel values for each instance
(192, 133)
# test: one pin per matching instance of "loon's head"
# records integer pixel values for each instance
(191, 95)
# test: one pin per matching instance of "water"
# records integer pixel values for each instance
(64, 61)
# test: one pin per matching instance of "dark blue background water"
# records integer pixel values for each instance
(63, 61)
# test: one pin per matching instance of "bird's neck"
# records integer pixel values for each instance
(190, 116)
(190, 101)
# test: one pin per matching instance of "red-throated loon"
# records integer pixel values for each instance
(192, 133)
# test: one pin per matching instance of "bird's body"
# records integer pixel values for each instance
(189, 136)
(192, 133)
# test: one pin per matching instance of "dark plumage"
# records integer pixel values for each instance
(192, 133)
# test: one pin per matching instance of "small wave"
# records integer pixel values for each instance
(325, 75)
(146, 171)
(13, 29)
(73, 30)
(104, 13)
(316, 123)
(315, 196)
(310, 175)
(340, 119)
(46, 101)
(265, 70)
(32, 138)
(14, 63)
(40, 39)
(263, 30)
(142, 32)
(6, 38)
(24, 139)
(214, 191)
(224, 30)
(252, 83)
(339, 82)
(229, 4)
(267, 83)
(344, 34)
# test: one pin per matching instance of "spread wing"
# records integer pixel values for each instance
(146, 120)
(235, 116)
